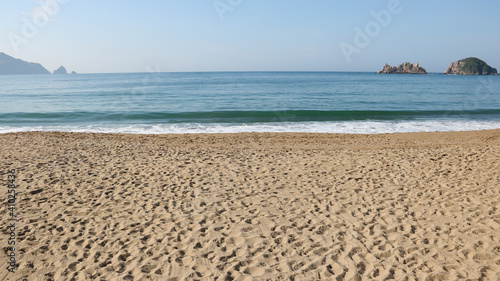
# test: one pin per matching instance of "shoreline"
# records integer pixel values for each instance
(241, 133)
(248, 206)
(326, 127)
(429, 138)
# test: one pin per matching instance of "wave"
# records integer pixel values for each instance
(243, 116)
(345, 127)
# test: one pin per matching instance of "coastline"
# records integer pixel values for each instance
(398, 138)
(255, 205)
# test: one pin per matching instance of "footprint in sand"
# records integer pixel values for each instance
(255, 271)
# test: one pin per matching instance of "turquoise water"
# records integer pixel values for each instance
(248, 101)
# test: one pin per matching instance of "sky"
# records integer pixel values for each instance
(114, 36)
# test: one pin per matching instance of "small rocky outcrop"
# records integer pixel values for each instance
(60, 70)
(73, 72)
(404, 68)
(470, 66)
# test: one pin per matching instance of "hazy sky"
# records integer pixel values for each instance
(248, 35)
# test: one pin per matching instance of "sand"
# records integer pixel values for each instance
(417, 206)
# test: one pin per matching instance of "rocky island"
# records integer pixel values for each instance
(13, 66)
(470, 66)
(404, 68)
(60, 70)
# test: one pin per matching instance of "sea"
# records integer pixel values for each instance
(232, 102)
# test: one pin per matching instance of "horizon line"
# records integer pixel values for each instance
(225, 71)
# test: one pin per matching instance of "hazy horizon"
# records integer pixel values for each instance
(238, 35)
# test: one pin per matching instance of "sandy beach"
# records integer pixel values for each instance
(253, 206)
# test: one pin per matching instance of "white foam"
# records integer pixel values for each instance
(354, 127)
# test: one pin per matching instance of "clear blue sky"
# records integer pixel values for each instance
(91, 36)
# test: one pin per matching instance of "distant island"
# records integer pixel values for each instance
(13, 66)
(404, 68)
(60, 70)
(470, 66)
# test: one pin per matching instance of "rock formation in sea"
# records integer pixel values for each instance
(404, 68)
(73, 72)
(60, 70)
(470, 66)
(12, 66)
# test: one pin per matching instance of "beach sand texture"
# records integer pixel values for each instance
(254, 206)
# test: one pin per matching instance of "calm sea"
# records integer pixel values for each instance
(217, 102)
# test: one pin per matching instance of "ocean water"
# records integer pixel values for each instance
(220, 102)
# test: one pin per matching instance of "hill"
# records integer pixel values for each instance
(13, 66)
(470, 66)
